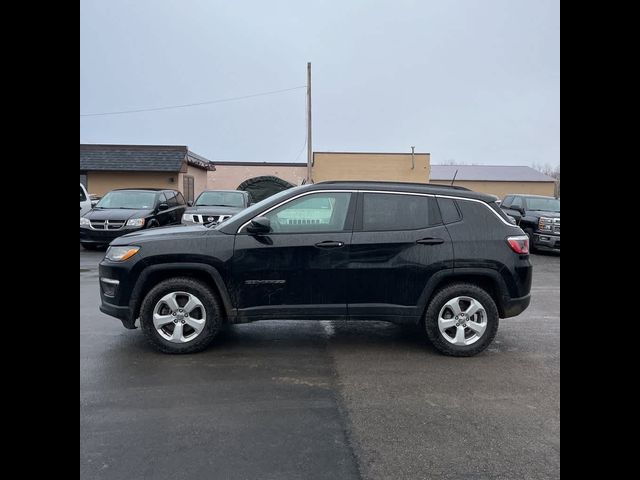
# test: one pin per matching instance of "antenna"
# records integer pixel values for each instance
(454, 177)
(413, 159)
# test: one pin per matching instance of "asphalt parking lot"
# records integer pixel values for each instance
(322, 400)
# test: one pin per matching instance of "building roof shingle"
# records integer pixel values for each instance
(148, 158)
(491, 173)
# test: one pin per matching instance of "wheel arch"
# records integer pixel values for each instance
(154, 274)
(485, 278)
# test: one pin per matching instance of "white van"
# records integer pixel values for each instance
(85, 201)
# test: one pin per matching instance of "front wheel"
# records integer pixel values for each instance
(461, 320)
(180, 315)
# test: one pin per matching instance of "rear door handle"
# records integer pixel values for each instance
(430, 241)
(329, 244)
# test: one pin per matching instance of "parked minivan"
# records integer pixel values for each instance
(124, 211)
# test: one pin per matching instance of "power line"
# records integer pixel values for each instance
(208, 102)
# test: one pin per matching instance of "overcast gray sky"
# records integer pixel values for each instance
(473, 81)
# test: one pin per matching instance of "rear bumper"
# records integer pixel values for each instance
(515, 306)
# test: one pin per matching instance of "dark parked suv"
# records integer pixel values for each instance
(215, 206)
(124, 211)
(538, 216)
(445, 258)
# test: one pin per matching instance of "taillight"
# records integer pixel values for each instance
(519, 244)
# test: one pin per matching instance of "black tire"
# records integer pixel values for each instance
(89, 246)
(153, 224)
(211, 305)
(437, 303)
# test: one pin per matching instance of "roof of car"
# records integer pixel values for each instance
(223, 190)
(145, 189)
(527, 195)
(434, 189)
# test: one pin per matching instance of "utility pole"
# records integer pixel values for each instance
(309, 144)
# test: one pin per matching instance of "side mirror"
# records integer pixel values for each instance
(190, 203)
(259, 225)
(163, 206)
(520, 210)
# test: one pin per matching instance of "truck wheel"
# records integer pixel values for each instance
(461, 320)
(180, 315)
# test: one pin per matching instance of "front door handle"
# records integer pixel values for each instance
(329, 244)
(430, 241)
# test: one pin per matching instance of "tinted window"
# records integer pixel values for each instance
(127, 199)
(507, 201)
(83, 197)
(221, 199)
(386, 211)
(517, 202)
(171, 199)
(318, 212)
(180, 199)
(448, 210)
(543, 204)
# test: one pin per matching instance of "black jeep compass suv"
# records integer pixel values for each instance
(445, 258)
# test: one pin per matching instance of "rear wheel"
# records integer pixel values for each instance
(461, 320)
(180, 315)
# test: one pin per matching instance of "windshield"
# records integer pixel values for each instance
(127, 199)
(543, 204)
(250, 212)
(220, 199)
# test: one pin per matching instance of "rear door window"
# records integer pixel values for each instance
(390, 212)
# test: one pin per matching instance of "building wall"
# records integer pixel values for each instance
(504, 188)
(100, 183)
(228, 177)
(370, 166)
(200, 179)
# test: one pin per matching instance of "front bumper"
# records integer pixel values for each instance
(116, 283)
(103, 237)
(546, 241)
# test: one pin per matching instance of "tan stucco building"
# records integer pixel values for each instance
(106, 167)
(399, 167)
(229, 175)
(499, 180)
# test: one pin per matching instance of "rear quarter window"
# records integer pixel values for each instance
(449, 210)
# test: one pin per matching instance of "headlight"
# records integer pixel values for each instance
(187, 217)
(135, 222)
(545, 224)
(120, 254)
(84, 221)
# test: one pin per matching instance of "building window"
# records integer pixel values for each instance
(188, 188)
